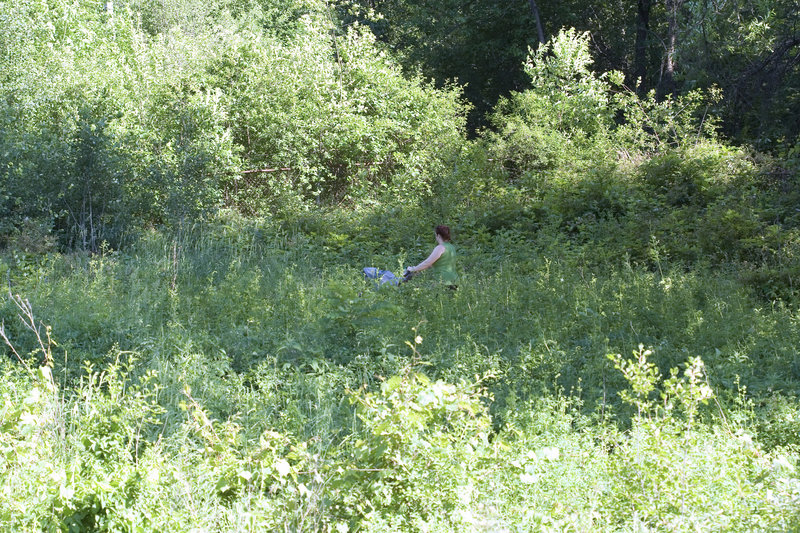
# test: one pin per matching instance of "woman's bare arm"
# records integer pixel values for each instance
(435, 255)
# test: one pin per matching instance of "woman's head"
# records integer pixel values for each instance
(443, 232)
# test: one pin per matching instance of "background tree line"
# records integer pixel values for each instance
(749, 49)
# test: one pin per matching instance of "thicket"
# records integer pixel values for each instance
(193, 347)
(109, 129)
(747, 49)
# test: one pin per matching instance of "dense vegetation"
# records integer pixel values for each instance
(189, 191)
(748, 49)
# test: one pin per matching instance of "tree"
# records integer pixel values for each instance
(538, 19)
(667, 85)
(480, 45)
(751, 50)
(640, 47)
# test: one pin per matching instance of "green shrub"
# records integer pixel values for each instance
(563, 122)
(677, 474)
(420, 444)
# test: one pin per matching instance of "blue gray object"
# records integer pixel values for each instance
(382, 277)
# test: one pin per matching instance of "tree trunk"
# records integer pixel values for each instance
(640, 48)
(538, 19)
(667, 85)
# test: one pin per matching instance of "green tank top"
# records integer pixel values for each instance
(445, 267)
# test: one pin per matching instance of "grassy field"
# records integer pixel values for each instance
(243, 376)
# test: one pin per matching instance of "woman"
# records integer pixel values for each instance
(442, 259)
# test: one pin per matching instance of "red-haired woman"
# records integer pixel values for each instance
(442, 260)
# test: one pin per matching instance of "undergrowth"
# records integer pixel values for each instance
(243, 376)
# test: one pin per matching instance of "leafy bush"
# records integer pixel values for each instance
(564, 120)
(163, 138)
(420, 445)
(678, 475)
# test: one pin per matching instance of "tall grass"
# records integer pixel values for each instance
(544, 317)
(207, 378)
